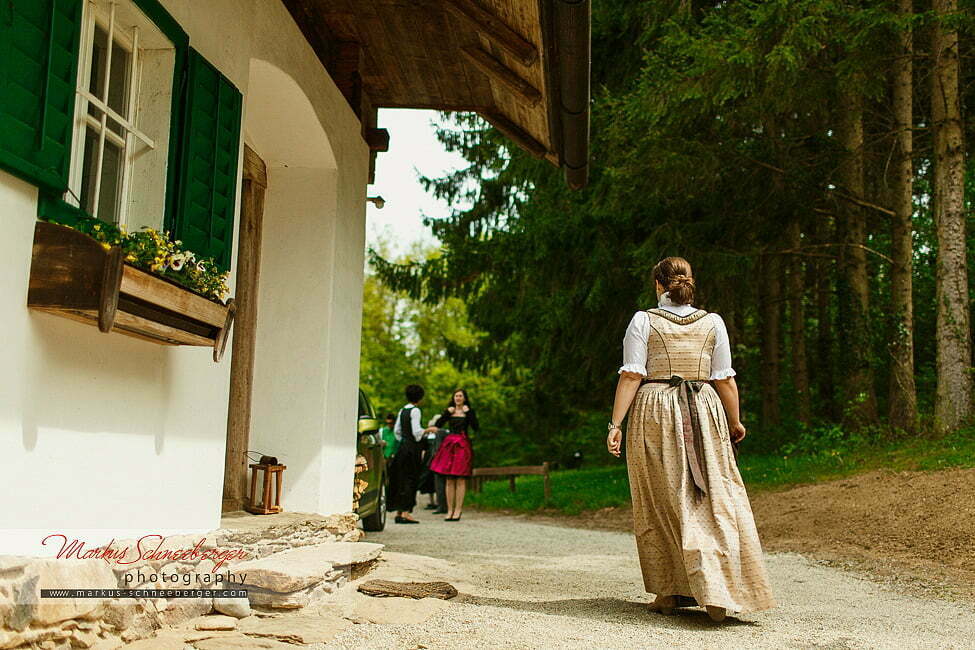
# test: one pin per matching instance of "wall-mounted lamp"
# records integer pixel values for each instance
(377, 201)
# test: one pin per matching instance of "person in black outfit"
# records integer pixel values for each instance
(454, 459)
(439, 480)
(407, 463)
(428, 480)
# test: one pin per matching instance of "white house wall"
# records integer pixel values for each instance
(104, 435)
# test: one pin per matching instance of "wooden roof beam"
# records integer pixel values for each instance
(370, 133)
(377, 139)
(514, 132)
(344, 66)
(497, 71)
(495, 29)
(343, 60)
(313, 29)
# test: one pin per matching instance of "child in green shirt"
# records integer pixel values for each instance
(386, 432)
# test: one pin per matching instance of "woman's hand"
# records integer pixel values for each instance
(728, 393)
(626, 388)
(737, 431)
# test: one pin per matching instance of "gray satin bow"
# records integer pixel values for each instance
(691, 426)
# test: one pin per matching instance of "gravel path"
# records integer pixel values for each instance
(530, 585)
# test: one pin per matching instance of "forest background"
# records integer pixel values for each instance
(807, 156)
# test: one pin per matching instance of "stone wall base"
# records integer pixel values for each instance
(26, 620)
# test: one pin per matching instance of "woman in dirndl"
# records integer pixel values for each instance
(694, 528)
(455, 458)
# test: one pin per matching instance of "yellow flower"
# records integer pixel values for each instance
(130, 257)
(106, 246)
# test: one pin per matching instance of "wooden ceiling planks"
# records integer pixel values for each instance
(457, 72)
(486, 21)
(530, 117)
(511, 106)
(414, 56)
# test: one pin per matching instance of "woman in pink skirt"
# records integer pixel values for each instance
(455, 457)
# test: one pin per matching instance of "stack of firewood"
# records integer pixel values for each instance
(359, 486)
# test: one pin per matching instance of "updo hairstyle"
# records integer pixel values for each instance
(674, 275)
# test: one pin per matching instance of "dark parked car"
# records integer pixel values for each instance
(372, 503)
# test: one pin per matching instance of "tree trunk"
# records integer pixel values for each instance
(902, 399)
(769, 314)
(953, 399)
(859, 395)
(797, 325)
(822, 361)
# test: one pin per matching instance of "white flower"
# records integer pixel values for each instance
(182, 258)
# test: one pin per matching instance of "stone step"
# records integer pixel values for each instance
(303, 567)
(295, 578)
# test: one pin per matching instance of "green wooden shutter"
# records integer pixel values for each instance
(38, 69)
(208, 162)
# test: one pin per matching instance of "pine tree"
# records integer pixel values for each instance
(953, 400)
(902, 398)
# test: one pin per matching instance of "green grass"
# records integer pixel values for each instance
(575, 491)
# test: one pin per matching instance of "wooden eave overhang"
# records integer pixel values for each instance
(523, 65)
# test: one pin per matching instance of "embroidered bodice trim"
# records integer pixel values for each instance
(680, 320)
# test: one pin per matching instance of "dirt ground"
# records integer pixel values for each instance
(526, 585)
(917, 528)
(885, 562)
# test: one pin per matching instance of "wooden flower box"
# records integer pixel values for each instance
(74, 276)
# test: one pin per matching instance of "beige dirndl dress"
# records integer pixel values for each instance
(700, 543)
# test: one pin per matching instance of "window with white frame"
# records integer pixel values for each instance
(122, 116)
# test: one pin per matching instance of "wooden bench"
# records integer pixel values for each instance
(482, 474)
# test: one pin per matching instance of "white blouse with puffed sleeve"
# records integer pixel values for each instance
(638, 333)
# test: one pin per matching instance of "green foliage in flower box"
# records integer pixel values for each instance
(153, 251)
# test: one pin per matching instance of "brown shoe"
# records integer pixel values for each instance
(664, 604)
(717, 614)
